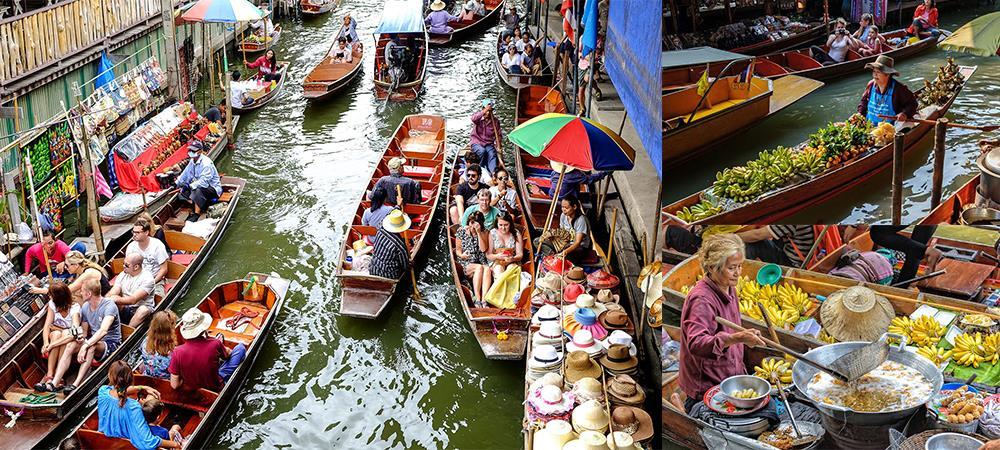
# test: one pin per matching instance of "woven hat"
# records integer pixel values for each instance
(437, 5)
(618, 359)
(621, 338)
(571, 291)
(558, 167)
(606, 296)
(549, 400)
(579, 365)
(549, 333)
(856, 313)
(614, 320)
(575, 275)
(634, 421)
(602, 279)
(397, 221)
(587, 301)
(554, 436)
(588, 389)
(551, 282)
(883, 64)
(194, 322)
(623, 390)
(655, 317)
(552, 378)
(591, 416)
(583, 340)
(584, 319)
(547, 313)
(622, 440)
(554, 263)
(588, 440)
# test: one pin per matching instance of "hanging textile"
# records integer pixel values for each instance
(877, 8)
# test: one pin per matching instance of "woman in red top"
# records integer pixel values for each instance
(267, 66)
(925, 20)
(710, 352)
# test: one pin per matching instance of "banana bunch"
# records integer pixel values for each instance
(936, 355)
(701, 210)
(926, 331)
(970, 351)
(825, 337)
(784, 303)
(901, 325)
(774, 368)
(810, 162)
(793, 298)
(979, 320)
(991, 346)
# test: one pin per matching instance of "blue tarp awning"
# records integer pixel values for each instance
(402, 16)
(695, 56)
(632, 64)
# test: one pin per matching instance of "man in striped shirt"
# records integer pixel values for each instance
(786, 245)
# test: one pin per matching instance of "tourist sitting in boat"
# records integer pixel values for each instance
(786, 245)
(466, 191)
(437, 20)
(512, 60)
(376, 213)
(503, 193)
(885, 95)
(486, 133)
(531, 61)
(156, 230)
(202, 362)
(158, 346)
(838, 44)
(505, 44)
(349, 30)
(573, 220)
(61, 315)
(152, 407)
(925, 20)
(80, 270)
(120, 416)
(471, 251)
(217, 113)
(154, 253)
(48, 249)
(524, 42)
(342, 53)
(471, 9)
(471, 158)
(483, 206)
(506, 245)
(103, 330)
(710, 353)
(262, 28)
(864, 27)
(915, 247)
(199, 183)
(267, 66)
(572, 180)
(874, 42)
(410, 188)
(133, 291)
(511, 21)
(390, 258)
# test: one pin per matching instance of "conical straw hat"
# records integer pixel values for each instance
(856, 314)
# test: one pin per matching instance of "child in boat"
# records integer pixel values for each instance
(874, 43)
(151, 410)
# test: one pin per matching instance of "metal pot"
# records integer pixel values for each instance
(978, 215)
(802, 373)
(989, 180)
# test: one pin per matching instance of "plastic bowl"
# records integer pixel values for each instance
(739, 382)
(952, 441)
(769, 274)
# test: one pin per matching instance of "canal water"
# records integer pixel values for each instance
(978, 103)
(415, 378)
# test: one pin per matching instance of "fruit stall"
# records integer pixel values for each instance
(52, 157)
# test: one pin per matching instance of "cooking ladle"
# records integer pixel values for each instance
(781, 348)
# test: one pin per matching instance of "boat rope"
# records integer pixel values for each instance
(13, 417)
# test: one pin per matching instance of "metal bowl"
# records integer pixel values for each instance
(740, 382)
(952, 441)
(978, 215)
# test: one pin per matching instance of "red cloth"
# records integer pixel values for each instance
(197, 363)
(130, 177)
(704, 361)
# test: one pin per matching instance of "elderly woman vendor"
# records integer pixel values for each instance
(711, 353)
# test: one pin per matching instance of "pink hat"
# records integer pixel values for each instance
(554, 263)
(572, 291)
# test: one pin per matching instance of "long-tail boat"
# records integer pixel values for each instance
(778, 204)
(270, 95)
(313, 9)
(693, 121)
(463, 29)
(251, 46)
(518, 81)
(329, 76)
(488, 321)
(534, 171)
(199, 413)
(421, 140)
(41, 414)
(402, 18)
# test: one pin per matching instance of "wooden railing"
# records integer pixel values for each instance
(38, 38)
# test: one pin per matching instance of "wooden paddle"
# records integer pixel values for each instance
(413, 274)
(986, 128)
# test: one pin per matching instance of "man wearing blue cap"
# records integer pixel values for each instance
(199, 182)
(485, 133)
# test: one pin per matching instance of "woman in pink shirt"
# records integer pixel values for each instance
(709, 352)
(55, 251)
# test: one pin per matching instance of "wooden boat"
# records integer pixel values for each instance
(781, 203)
(329, 77)
(249, 46)
(815, 32)
(268, 97)
(950, 210)
(28, 367)
(421, 140)
(311, 9)
(415, 37)
(488, 321)
(199, 414)
(729, 107)
(795, 62)
(515, 81)
(462, 29)
(534, 100)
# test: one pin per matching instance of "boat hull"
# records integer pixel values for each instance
(317, 87)
(463, 31)
(270, 96)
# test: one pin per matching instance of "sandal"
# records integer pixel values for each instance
(42, 386)
(68, 389)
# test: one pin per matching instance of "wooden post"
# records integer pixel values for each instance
(228, 97)
(406, 242)
(170, 41)
(87, 173)
(35, 212)
(611, 239)
(673, 16)
(897, 179)
(938, 180)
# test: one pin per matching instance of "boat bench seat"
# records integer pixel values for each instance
(419, 171)
(15, 394)
(183, 259)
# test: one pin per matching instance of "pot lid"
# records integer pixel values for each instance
(991, 161)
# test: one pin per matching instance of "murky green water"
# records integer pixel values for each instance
(413, 379)
(979, 103)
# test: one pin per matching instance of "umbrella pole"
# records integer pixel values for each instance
(555, 199)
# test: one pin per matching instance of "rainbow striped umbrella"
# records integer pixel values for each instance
(574, 141)
(226, 11)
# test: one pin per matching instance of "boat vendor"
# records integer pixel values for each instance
(572, 180)
(217, 113)
(885, 95)
(410, 188)
(390, 259)
(915, 247)
(437, 20)
(709, 352)
(485, 134)
(786, 245)
(199, 182)
(267, 66)
(574, 221)
(349, 30)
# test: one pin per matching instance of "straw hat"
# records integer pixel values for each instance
(194, 322)
(588, 440)
(634, 421)
(549, 400)
(655, 317)
(618, 359)
(621, 338)
(606, 296)
(555, 434)
(547, 313)
(549, 333)
(583, 340)
(437, 5)
(590, 415)
(588, 389)
(558, 167)
(397, 221)
(579, 365)
(622, 440)
(584, 319)
(883, 64)
(575, 275)
(602, 279)
(623, 390)
(551, 282)
(552, 378)
(614, 320)
(397, 162)
(856, 314)
(571, 291)
(585, 301)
